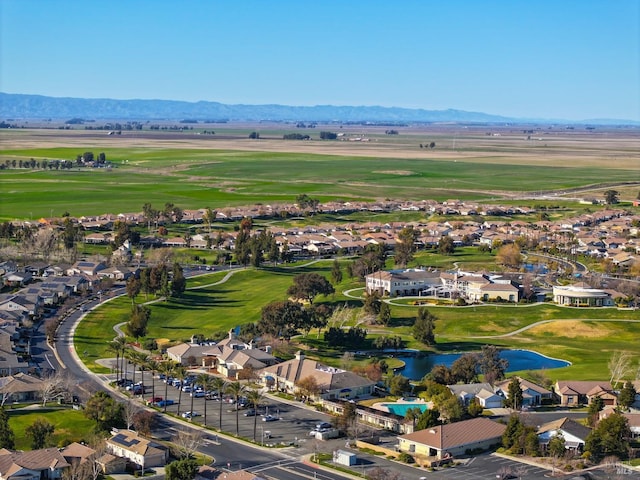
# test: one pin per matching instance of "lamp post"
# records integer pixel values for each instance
(262, 430)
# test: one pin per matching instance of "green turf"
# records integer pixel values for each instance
(70, 425)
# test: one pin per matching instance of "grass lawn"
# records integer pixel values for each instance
(70, 425)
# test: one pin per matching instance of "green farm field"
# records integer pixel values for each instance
(194, 172)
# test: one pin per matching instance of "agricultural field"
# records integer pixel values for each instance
(195, 171)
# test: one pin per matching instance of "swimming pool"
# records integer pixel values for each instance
(401, 408)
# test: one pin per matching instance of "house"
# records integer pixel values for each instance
(10, 363)
(138, 450)
(85, 267)
(482, 391)
(78, 454)
(574, 433)
(206, 472)
(532, 394)
(402, 283)
(452, 439)
(334, 383)
(17, 279)
(42, 464)
(574, 393)
(19, 387)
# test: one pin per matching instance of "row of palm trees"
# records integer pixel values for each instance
(175, 370)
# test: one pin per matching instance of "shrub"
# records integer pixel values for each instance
(404, 457)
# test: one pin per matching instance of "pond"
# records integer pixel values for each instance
(417, 367)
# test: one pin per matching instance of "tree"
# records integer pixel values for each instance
(557, 446)
(219, 385)
(185, 469)
(7, 437)
(465, 368)
(491, 365)
(205, 381)
(282, 319)
(118, 346)
(595, 407)
(307, 286)
(399, 384)
(405, 246)
(144, 421)
(513, 433)
(55, 386)
(137, 324)
(255, 399)
(385, 314)
(336, 272)
(179, 283)
(40, 433)
(619, 365)
(424, 327)
(69, 234)
(429, 418)
(413, 414)
(188, 442)
(133, 288)
(611, 197)
(514, 397)
(166, 368)
(627, 395)
(179, 373)
(446, 246)
(509, 256)
(236, 389)
(308, 387)
(104, 410)
(610, 437)
(371, 304)
(209, 217)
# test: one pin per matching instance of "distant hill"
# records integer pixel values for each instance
(19, 106)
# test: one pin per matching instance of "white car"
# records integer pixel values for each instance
(190, 414)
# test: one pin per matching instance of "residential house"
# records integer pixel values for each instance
(532, 394)
(574, 433)
(138, 450)
(452, 439)
(78, 454)
(17, 279)
(334, 383)
(19, 387)
(632, 417)
(188, 354)
(482, 391)
(42, 464)
(575, 393)
(85, 267)
(233, 361)
(10, 362)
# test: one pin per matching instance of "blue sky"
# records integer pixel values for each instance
(569, 59)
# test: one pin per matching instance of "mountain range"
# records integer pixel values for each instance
(22, 106)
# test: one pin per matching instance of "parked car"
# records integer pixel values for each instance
(323, 426)
(190, 414)
(250, 413)
(154, 400)
(163, 403)
(197, 394)
(269, 418)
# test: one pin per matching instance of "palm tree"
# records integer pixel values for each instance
(255, 398)
(204, 380)
(180, 373)
(117, 346)
(129, 354)
(219, 384)
(141, 359)
(167, 369)
(153, 367)
(236, 389)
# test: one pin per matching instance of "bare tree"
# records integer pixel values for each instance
(130, 412)
(619, 366)
(188, 442)
(55, 386)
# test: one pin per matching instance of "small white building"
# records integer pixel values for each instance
(342, 457)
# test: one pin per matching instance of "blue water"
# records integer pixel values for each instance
(401, 408)
(417, 367)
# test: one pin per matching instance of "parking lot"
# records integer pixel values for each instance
(287, 423)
